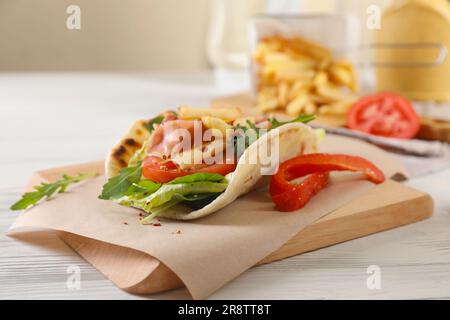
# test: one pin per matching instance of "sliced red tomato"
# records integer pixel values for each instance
(289, 196)
(384, 114)
(162, 171)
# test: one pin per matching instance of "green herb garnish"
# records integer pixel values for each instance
(250, 132)
(303, 119)
(47, 189)
(118, 185)
(149, 125)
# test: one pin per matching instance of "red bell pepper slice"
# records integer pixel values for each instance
(293, 196)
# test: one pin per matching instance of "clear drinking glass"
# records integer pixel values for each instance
(226, 44)
(337, 32)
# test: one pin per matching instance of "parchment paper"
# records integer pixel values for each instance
(213, 250)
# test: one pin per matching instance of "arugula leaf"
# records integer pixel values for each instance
(303, 119)
(251, 125)
(245, 135)
(242, 132)
(197, 177)
(118, 185)
(46, 190)
(149, 125)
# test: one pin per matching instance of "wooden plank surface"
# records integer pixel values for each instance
(61, 120)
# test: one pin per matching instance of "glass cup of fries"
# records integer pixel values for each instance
(304, 64)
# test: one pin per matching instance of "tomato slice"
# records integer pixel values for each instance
(291, 196)
(159, 170)
(384, 114)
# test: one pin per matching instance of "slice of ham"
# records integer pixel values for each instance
(181, 141)
(175, 136)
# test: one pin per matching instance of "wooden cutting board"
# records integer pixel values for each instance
(384, 207)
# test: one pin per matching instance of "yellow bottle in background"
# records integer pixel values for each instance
(413, 58)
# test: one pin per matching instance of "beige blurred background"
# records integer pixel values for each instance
(118, 34)
(114, 34)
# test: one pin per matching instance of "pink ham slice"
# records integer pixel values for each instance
(173, 135)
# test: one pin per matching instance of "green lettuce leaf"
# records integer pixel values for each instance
(195, 201)
(153, 213)
(169, 195)
(168, 191)
(197, 177)
(145, 187)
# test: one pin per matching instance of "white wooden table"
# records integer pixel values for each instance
(50, 120)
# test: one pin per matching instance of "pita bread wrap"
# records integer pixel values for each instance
(291, 139)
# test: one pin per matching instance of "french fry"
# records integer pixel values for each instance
(320, 100)
(216, 123)
(297, 88)
(296, 106)
(310, 108)
(283, 94)
(338, 108)
(300, 76)
(325, 64)
(344, 72)
(331, 92)
(341, 76)
(310, 48)
(191, 113)
(243, 121)
(267, 99)
(320, 79)
(266, 105)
